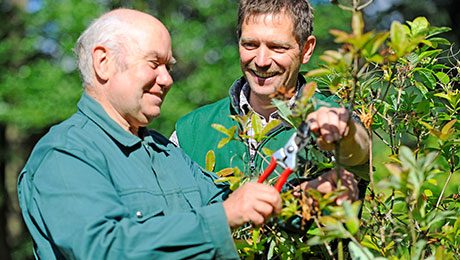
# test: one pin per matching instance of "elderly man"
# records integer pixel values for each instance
(100, 186)
(274, 40)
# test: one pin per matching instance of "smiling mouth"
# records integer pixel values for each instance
(264, 75)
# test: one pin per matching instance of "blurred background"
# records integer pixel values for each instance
(40, 85)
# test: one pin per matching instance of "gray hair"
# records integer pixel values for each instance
(109, 30)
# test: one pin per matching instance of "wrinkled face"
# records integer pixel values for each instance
(137, 90)
(270, 56)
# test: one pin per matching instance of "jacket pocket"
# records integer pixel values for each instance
(142, 204)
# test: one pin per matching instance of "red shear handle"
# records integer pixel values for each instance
(282, 179)
(268, 170)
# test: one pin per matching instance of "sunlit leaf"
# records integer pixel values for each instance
(432, 53)
(283, 110)
(210, 160)
(439, 41)
(447, 128)
(356, 252)
(341, 36)
(223, 142)
(398, 37)
(318, 72)
(272, 124)
(428, 193)
(225, 172)
(418, 25)
(438, 30)
(256, 126)
(378, 41)
(443, 77)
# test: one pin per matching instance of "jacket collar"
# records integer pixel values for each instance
(96, 113)
(237, 86)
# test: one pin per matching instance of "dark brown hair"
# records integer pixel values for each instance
(299, 11)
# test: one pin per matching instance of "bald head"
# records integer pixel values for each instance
(118, 30)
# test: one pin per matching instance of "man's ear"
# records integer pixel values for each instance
(101, 63)
(308, 48)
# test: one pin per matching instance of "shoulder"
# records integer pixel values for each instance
(74, 136)
(206, 115)
(221, 106)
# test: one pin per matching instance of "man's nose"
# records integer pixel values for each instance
(164, 78)
(263, 58)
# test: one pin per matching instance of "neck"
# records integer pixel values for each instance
(111, 111)
(261, 104)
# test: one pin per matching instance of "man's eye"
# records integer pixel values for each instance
(249, 45)
(154, 64)
(280, 48)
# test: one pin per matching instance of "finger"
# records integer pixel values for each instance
(343, 121)
(264, 209)
(328, 125)
(256, 218)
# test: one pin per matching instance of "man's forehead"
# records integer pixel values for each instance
(280, 16)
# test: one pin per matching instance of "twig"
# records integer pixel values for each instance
(328, 248)
(452, 168)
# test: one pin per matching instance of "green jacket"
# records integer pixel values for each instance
(91, 190)
(196, 136)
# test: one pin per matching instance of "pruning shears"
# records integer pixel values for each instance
(286, 157)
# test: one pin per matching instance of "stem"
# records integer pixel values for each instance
(340, 249)
(328, 248)
(452, 169)
(412, 228)
(355, 6)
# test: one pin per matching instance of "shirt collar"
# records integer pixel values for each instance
(96, 113)
(245, 107)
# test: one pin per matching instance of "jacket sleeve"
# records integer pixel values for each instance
(69, 205)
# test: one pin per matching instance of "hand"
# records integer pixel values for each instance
(327, 183)
(329, 125)
(253, 202)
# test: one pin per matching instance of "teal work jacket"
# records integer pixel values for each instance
(91, 190)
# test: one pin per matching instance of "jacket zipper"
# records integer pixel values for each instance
(252, 157)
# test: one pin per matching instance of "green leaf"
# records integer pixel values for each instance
(443, 77)
(378, 41)
(225, 172)
(352, 225)
(283, 110)
(223, 142)
(222, 129)
(210, 160)
(439, 41)
(406, 156)
(272, 124)
(427, 76)
(413, 58)
(398, 38)
(428, 193)
(422, 88)
(419, 246)
(438, 30)
(432, 54)
(256, 126)
(318, 72)
(357, 253)
(418, 25)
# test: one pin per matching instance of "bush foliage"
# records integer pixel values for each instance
(403, 86)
